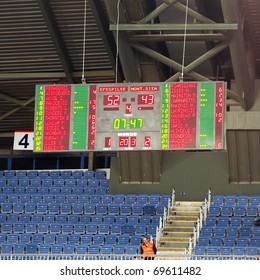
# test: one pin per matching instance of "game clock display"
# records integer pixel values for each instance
(138, 116)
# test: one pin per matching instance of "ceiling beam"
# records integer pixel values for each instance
(17, 109)
(11, 99)
(56, 37)
(178, 37)
(104, 32)
(58, 75)
(243, 77)
(174, 27)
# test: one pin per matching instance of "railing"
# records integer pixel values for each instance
(160, 256)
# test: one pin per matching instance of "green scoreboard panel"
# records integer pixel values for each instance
(134, 116)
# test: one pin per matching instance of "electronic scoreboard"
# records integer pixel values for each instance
(130, 116)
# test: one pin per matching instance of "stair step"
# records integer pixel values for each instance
(184, 213)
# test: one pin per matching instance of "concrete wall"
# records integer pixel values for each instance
(191, 174)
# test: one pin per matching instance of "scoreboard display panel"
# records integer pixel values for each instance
(130, 116)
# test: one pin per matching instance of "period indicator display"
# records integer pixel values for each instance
(130, 116)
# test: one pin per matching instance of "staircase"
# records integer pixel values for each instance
(179, 227)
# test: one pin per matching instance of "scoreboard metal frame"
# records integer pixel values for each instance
(130, 116)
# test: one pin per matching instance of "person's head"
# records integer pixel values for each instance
(145, 240)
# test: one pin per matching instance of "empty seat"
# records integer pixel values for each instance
(230, 200)
(151, 229)
(128, 229)
(133, 219)
(66, 174)
(123, 239)
(74, 238)
(227, 210)
(239, 211)
(31, 248)
(54, 174)
(211, 221)
(36, 183)
(131, 249)
(9, 174)
(6, 207)
(145, 219)
(81, 249)
(93, 183)
(86, 239)
(47, 183)
(67, 228)
(30, 208)
(111, 239)
(99, 239)
(32, 174)
(101, 209)
(203, 240)
(235, 221)
(126, 209)
(100, 174)
(119, 249)
(6, 248)
(94, 249)
(116, 229)
(107, 249)
(24, 182)
(55, 228)
(239, 250)
(160, 208)
(252, 211)
(206, 230)
(31, 227)
(200, 250)
(12, 182)
(154, 199)
(80, 228)
(42, 207)
(24, 217)
(77, 174)
(119, 198)
(25, 238)
(19, 227)
(90, 208)
(219, 231)
(92, 228)
(18, 207)
(248, 221)
(130, 198)
(229, 240)
(216, 241)
(242, 241)
(56, 248)
(121, 219)
(214, 210)
(149, 209)
(141, 229)
(142, 198)
(43, 174)
(37, 238)
(137, 209)
(12, 238)
(213, 250)
(89, 174)
(54, 208)
(7, 190)
(104, 229)
(218, 199)
(223, 221)
(62, 238)
(44, 248)
(73, 218)
(225, 250)
(66, 190)
(245, 230)
(43, 227)
(108, 219)
(65, 208)
(12, 217)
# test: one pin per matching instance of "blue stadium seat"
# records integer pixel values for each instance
(67, 190)
(48, 198)
(54, 208)
(135, 239)
(149, 209)
(226, 250)
(43, 174)
(141, 229)
(31, 227)
(245, 231)
(19, 248)
(239, 211)
(81, 249)
(31, 248)
(82, 183)
(107, 198)
(9, 174)
(111, 239)
(32, 174)
(80, 228)
(89, 191)
(252, 211)
(119, 198)
(55, 228)
(164, 199)
(12, 217)
(131, 249)
(55, 190)
(248, 221)
(25, 238)
(142, 198)
(12, 182)
(37, 238)
(95, 199)
(227, 210)
(30, 207)
(47, 183)
(100, 174)
(151, 229)
(3, 217)
(93, 183)
(18, 207)
(7, 190)
(43, 190)
(6, 207)
(239, 250)
(43, 227)
(65, 208)
(251, 251)
(12, 238)
(213, 250)
(223, 221)
(92, 228)
(25, 217)
(99, 239)
(200, 250)
(6, 248)
(61, 218)
(138, 209)
(89, 174)
(77, 174)
(160, 208)
(116, 229)
(101, 190)
(86, 239)
(123, 239)
(128, 229)
(216, 241)
(133, 219)
(206, 230)
(5, 198)
(31, 190)
(90, 208)
(36, 198)
(235, 221)
(242, 240)
(119, 249)
(108, 219)
(62, 238)
(219, 231)
(54, 174)
(232, 231)
(48, 218)
(230, 200)
(121, 219)
(85, 218)
(42, 207)
(67, 228)
(114, 209)
(107, 249)
(74, 238)
(214, 210)
(229, 241)
(44, 248)
(94, 249)
(130, 198)
(203, 240)
(104, 229)
(73, 218)
(66, 174)
(126, 209)
(56, 248)
(211, 221)
(104, 183)
(154, 199)
(145, 219)
(24, 182)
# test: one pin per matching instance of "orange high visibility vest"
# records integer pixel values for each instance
(148, 249)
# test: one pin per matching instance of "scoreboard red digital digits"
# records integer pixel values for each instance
(117, 117)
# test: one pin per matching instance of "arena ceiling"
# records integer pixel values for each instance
(41, 42)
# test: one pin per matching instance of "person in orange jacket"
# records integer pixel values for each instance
(148, 249)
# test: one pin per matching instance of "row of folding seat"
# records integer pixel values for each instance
(81, 208)
(232, 200)
(226, 250)
(52, 182)
(234, 210)
(56, 227)
(53, 174)
(52, 190)
(229, 221)
(99, 219)
(91, 197)
(231, 240)
(64, 238)
(69, 249)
